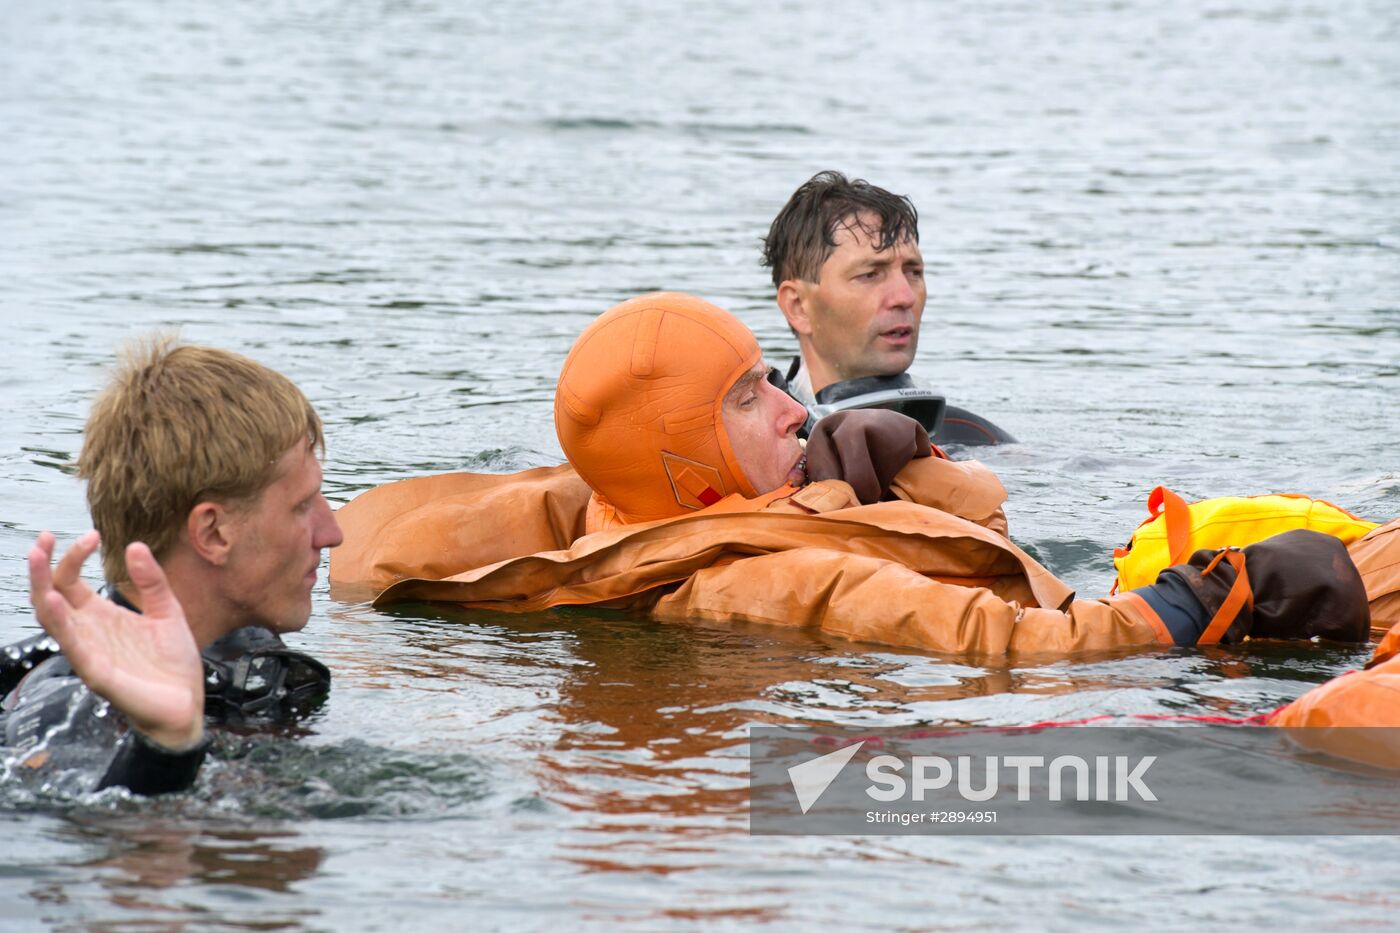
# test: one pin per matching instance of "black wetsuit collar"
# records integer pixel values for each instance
(115, 595)
(250, 672)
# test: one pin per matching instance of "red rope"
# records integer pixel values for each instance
(1257, 719)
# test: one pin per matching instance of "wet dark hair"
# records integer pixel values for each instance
(804, 233)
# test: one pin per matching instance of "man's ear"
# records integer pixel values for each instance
(210, 532)
(792, 300)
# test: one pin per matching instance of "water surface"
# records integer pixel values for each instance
(1162, 247)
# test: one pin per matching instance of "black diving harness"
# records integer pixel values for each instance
(945, 424)
(894, 393)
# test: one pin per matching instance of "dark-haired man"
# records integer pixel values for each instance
(850, 281)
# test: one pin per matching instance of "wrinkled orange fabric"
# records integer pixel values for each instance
(437, 526)
(899, 573)
(639, 407)
(1325, 719)
(1377, 558)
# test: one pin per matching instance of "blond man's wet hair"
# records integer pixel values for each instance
(179, 425)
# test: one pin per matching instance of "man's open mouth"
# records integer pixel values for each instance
(797, 476)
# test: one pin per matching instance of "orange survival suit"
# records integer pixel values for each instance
(655, 513)
(1368, 698)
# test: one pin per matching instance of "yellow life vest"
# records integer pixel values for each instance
(1174, 529)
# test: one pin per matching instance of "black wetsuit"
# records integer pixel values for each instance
(959, 425)
(250, 677)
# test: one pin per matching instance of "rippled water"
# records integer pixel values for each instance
(1162, 244)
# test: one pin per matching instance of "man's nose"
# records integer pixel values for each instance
(328, 533)
(900, 293)
(794, 415)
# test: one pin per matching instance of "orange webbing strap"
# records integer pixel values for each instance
(1178, 527)
(1240, 595)
(1178, 522)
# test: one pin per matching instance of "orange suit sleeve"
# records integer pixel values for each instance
(875, 600)
(964, 488)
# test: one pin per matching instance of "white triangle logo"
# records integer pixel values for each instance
(811, 778)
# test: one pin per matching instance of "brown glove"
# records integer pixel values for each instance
(866, 447)
(1303, 585)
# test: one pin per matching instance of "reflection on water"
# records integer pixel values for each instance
(142, 855)
(1161, 243)
(136, 866)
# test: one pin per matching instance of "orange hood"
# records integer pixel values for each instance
(639, 405)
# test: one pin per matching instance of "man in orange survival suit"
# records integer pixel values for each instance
(682, 498)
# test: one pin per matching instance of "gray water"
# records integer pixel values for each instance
(1163, 246)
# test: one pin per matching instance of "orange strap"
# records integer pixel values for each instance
(1240, 595)
(1178, 527)
(1178, 522)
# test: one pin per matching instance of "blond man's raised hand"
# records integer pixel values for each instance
(147, 664)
